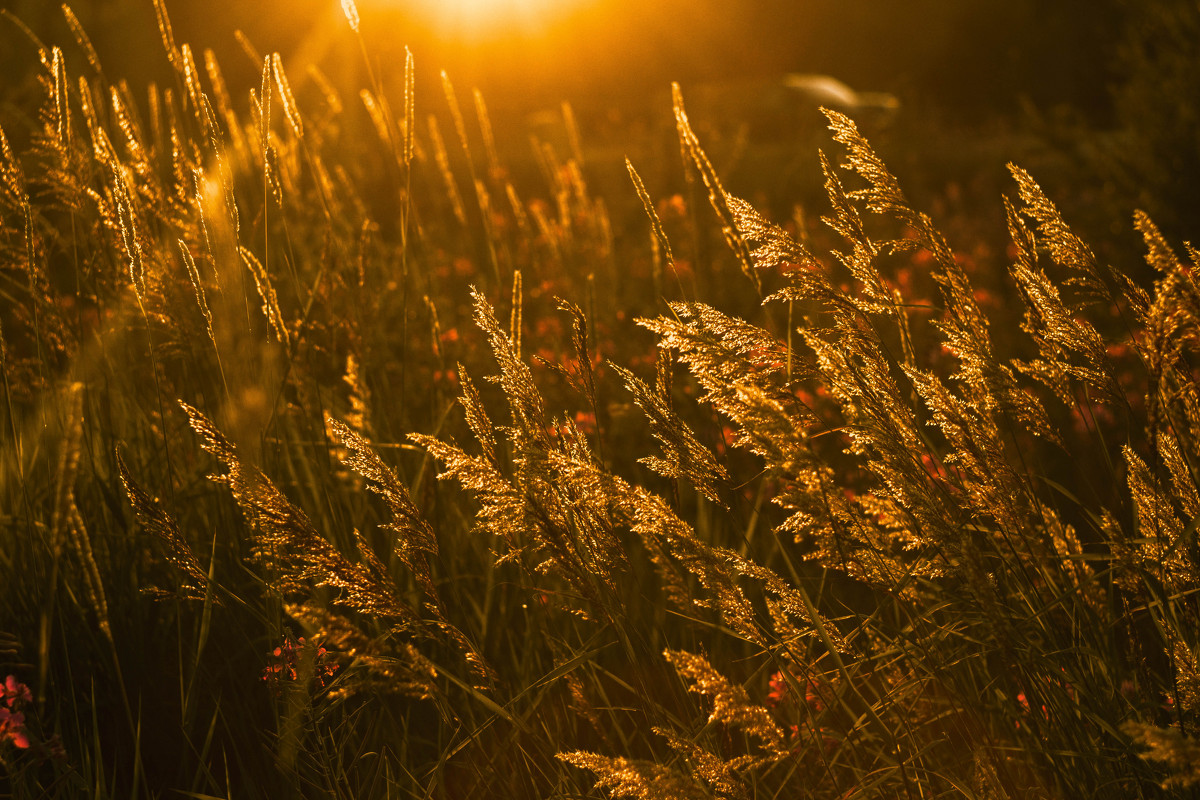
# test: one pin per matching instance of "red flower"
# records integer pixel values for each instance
(12, 728)
(14, 694)
(14, 690)
(287, 658)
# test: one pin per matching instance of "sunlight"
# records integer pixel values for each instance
(488, 18)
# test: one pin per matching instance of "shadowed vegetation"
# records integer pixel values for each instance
(341, 459)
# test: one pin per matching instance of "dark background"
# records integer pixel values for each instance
(978, 57)
(1110, 85)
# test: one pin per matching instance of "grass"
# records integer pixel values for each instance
(341, 461)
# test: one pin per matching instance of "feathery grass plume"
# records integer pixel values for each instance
(883, 429)
(410, 108)
(546, 510)
(350, 10)
(883, 196)
(67, 521)
(580, 704)
(201, 301)
(81, 37)
(501, 506)
(266, 291)
(848, 223)
(160, 524)
(442, 159)
(415, 540)
(1071, 561)
(716, 192)
(1164, 550)
(774, 248)
(1067, 345)
(584, 379)
(185, 156)
(663, 245)
(359, 397)
(722, 352)
(742, 370)
(981, 463)
(1126, 554)
(12, 178)
(191, 82)
(1182, 474)
(964, 325)
(290, 109)
(669, 539)
(168, 36)
(378, 118)
(1187, 676)
(549, 236)
(329, 93)
(641, 780)
(62, 100)
(864, 253)
(520, 215)
(525, 402)
(685, 457)
(793, 604)
(264, 108)
(220, 94)
(1066, 249)
(460, 125)
(251, 52)
(378, 665)
(1170, 323)
(514, 319)
(710, 768)
(731, 702)
(127, 220)
(102, 149)
(495, 170)
(133, 138)
(63, 171)
(1178, 753)
(502, 509)
(477, 418)
(287, 544)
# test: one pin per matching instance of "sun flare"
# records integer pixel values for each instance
(488, 17)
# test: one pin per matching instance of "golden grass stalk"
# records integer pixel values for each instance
(81, 37)
(158, 522)
(716, 192)
(266, 291)
(350, 10)
(290, 110)
(442, 158)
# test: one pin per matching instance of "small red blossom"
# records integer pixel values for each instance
(13, 696)
(779, 693)
(286, 660)
(14, 691)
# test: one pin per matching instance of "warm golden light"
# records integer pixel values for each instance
(488, 18)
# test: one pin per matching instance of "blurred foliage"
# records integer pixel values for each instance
(1158, 158)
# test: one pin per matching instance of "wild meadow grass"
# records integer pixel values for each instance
(339, 462)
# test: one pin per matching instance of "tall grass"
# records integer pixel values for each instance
(339, 463)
